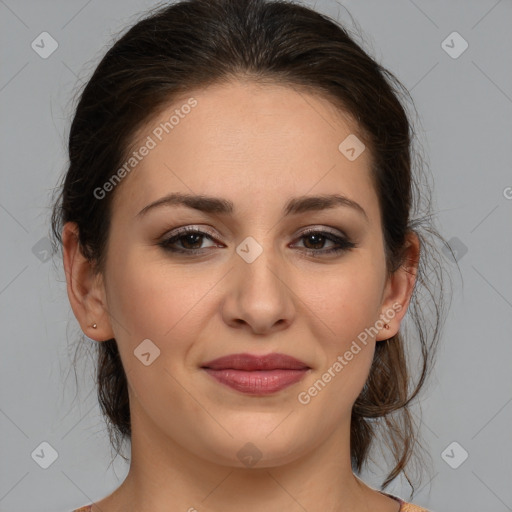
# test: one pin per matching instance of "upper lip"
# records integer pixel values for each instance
(249, 362)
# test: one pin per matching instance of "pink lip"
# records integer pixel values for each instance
(257, 382)
(249, 362)
(257, 375)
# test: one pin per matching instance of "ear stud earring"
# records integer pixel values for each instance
(94, 326)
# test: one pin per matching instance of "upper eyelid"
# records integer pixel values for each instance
(203, 230)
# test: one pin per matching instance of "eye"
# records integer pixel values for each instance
(190, 239)
(315, 238)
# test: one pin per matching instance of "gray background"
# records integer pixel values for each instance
(465, 105)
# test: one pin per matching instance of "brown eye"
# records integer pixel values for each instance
(317, 239)
(190, 239)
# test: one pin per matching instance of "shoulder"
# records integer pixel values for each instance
(410, 507)
(405, 506)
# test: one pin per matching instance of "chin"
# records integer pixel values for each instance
(254, 448)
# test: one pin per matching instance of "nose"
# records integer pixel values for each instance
(258, 297)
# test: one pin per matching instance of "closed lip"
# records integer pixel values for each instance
(250, 362)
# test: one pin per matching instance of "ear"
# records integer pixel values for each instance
(85, 288)
(399, 288)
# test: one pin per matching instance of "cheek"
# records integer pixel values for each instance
(155, 300)
(345, 309)
(346, 301)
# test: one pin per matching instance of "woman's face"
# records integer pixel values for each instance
(256, 284)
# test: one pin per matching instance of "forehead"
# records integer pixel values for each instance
(245, 141)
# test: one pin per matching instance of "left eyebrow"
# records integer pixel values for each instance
(217, 205)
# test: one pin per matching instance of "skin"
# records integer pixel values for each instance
(257, 146)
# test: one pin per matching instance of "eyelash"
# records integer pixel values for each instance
(181, 233)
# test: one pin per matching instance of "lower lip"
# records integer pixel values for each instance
(259, 382)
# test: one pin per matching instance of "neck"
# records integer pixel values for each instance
(162, 474)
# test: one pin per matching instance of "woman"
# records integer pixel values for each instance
(237, 238)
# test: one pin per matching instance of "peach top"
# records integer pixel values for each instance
(404, 506)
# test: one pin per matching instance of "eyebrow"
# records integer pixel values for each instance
(217, 205)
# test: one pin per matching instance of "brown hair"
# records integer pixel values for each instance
(195, 43)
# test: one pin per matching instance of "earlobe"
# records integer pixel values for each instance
(85, 287)
(399, 288)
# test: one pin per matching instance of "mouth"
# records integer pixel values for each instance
(257, 375)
